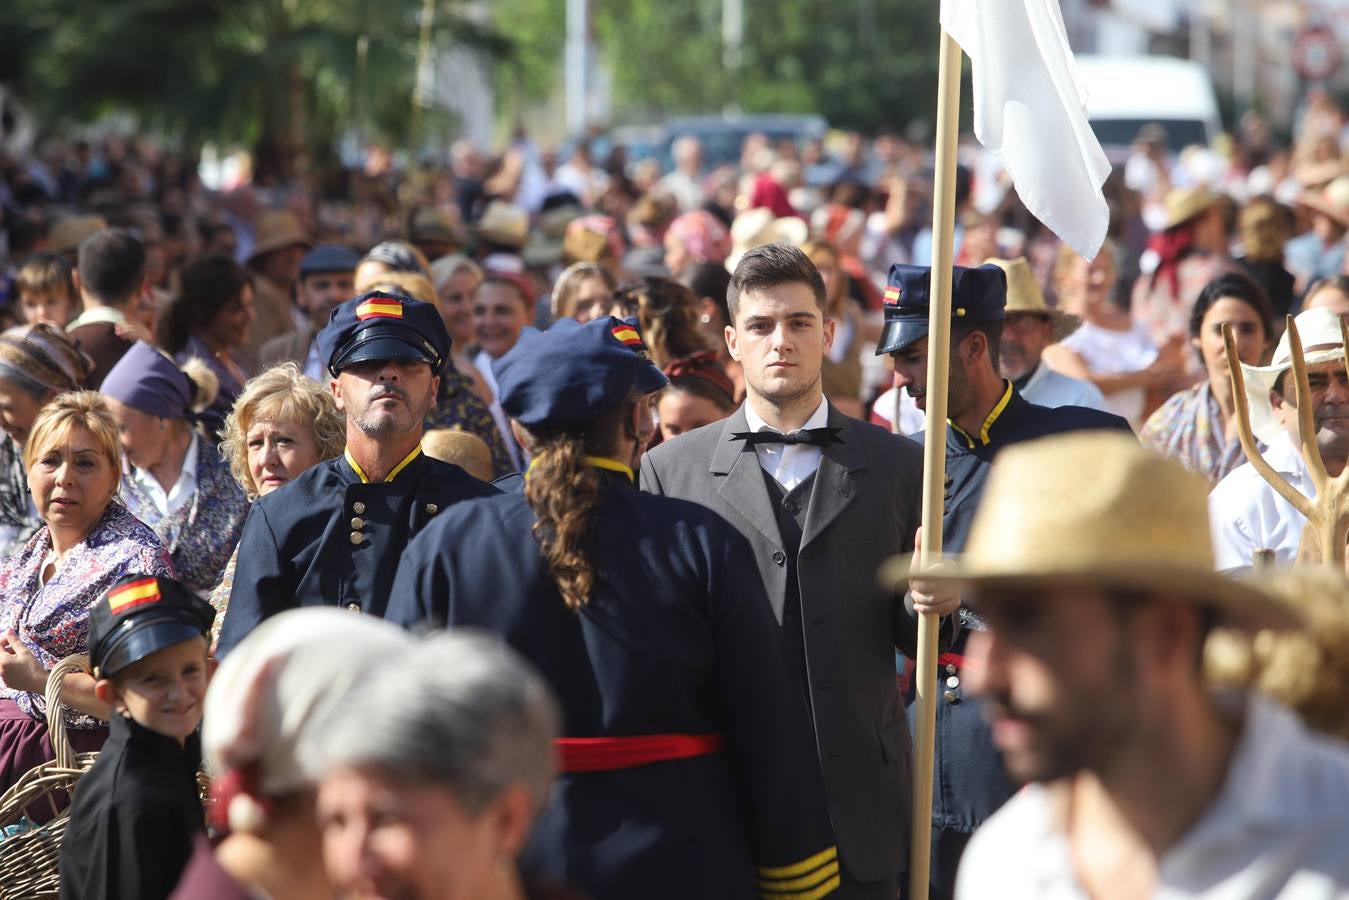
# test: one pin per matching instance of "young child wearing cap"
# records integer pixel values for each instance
(137, 810)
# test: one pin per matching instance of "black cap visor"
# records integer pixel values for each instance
(899, 333)
(381, 344)
(137, 639)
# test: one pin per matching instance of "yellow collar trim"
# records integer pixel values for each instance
(360, 473)
(599, 462)
(612, 465)
(988, 422)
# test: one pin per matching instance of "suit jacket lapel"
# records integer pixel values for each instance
(835, 486)
(742, 487)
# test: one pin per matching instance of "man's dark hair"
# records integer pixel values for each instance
(112, 265)
(769, 266)
(992, 331)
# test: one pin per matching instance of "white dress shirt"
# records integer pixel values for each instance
(1046, 387)
(1276, 829)
(789, 464)
(1246, 514)
(169, 502)
(484, 363)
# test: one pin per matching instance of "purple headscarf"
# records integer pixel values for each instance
(147, 380)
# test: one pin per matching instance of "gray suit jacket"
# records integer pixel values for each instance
(864, 508)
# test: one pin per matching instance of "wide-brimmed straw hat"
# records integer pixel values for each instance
(1096, 509)
(1331, 201)
(1183, 204)
(275, 229)
(758, 227)
(504, 224)
(1024, 296)
(1322, 342)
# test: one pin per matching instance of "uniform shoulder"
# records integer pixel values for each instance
(317, 480)
(1076, 418)
(452, 475)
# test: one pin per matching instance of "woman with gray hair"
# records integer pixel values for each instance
(435, 771)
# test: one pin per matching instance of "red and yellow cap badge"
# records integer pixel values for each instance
(379, 308)
(628, 335)
(141, 592)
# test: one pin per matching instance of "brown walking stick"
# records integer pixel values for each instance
(1323, 540)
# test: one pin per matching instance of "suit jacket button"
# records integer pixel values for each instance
(432, 509)
(779, 557)
(791, 508)
(357, 537)
(358, 508)
(357, 523)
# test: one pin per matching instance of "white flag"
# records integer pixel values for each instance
(1030, 109)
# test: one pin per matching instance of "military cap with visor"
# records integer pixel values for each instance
(572, 374)
(141, 615)
(378, 326)
(977, 295)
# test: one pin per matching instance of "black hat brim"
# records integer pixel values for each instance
(900, 333)
(142, 639)
(380, 346)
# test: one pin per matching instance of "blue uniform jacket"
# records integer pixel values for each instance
(970, 782)
(332, 538)
(678, 637)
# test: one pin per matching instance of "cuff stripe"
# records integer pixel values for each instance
(809, 864)
(795, 885)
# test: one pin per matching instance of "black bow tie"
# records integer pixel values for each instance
(816, 437)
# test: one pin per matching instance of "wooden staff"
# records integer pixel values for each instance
(934, 452)
(1323, 540)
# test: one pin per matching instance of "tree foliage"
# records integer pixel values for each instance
(869, 64)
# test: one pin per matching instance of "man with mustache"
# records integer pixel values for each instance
(1091, 563)
(984, 414)
(334, 535)
(1247, 513)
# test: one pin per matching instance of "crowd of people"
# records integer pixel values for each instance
(538, 528)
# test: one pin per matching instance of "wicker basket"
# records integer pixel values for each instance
(29, 860)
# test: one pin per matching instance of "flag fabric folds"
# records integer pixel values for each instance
(1030, 109)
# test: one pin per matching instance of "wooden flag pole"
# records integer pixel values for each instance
(934, 452)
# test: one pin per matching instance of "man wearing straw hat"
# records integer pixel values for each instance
(279, 246)
(986, 413)
(1091, 564)
(1246, 512)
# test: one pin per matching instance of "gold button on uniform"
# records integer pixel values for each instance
(357, 537)
(358, 508)
(953, 682)
(949, 696)
(432, 509)
(357, 523)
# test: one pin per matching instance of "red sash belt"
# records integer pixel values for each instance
(604, 754)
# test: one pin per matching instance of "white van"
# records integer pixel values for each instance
(1124, 93)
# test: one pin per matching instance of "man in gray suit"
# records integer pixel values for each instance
(823, 500)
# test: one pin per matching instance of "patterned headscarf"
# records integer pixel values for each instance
(704, 237)
(46, 356)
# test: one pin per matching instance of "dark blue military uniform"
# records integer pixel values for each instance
(676, 639)
(332, 537)
(970, 782)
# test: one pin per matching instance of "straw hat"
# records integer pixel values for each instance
(545, 242)
(275, 229)
(1331, 201)
(430, 223)
(1095, 508)
(757, 227)
(1024, 296)
(1183, 204)
(1321, 343)
(67, 234)
(505, 224)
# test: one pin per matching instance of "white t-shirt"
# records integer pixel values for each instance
(1110, 352)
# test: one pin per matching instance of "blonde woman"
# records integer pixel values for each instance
(88, 541)
(282, 424)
